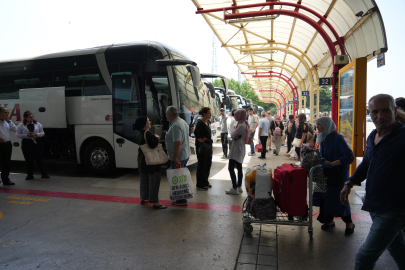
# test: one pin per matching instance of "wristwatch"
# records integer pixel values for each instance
(349, 184)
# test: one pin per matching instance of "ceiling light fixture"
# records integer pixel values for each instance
(258, 19)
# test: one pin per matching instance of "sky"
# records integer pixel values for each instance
(32, 28)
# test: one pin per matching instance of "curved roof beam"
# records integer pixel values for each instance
(312, 83)
(273, 84)
(293, 87)
(285, 66)
(276, 90)
(284, 44)
(283, 12)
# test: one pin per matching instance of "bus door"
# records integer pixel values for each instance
(126, 109)
(47, 105)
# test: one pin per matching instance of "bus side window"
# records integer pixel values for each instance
(71, 79)
(10, 86)
(94, 83)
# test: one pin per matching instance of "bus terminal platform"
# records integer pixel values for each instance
(87, 222)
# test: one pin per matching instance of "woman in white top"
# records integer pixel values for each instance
(31, 133)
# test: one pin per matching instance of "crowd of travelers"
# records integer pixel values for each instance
(381, 165)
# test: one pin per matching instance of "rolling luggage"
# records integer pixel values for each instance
(290, 189)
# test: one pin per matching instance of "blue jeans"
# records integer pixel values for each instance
(386, 232)
(183, 165)
(252, 146)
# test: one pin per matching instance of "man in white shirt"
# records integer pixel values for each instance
(231, 124)
(264, 126)
(253, 121)
(224, 133)
(6, 147)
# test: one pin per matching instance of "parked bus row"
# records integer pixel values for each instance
(88, 100)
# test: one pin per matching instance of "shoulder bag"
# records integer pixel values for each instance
(204, 149)
(153, 156)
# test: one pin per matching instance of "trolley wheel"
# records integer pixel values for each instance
(247, 228)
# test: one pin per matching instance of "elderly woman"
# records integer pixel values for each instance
(148, 174)
(237, 152)
(276, 128)
(336, 152)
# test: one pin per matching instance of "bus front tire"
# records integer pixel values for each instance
(99, 158)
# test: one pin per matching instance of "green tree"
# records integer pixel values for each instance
(246, 91)
(325, 99)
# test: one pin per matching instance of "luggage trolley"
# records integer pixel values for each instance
(316, 182)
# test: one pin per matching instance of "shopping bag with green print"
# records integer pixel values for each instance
(181, 185)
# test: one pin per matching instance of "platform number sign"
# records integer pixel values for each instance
(295, 99)
(290, 102)
(325, 81)
(305, 93)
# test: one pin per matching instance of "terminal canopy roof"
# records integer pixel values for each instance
(271, 48)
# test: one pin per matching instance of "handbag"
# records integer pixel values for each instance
(204, 149)
(258, 148)
(153, 156)
(296, 142)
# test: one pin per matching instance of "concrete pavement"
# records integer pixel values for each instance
(69, 222)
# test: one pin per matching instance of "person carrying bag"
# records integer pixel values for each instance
(149, 159)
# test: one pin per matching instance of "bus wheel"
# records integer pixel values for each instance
(99, 158)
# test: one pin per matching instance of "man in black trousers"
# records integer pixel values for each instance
(6, 147)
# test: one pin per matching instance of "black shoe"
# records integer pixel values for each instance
(8, 183)
(327, 226)
(349, 231)
(261, 157)
(209, 186)
(29, 177)
(45, 176)
(202, 188)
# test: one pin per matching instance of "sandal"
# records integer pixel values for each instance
(162, 206)
(144, 202)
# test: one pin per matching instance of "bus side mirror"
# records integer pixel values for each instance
(195, 74)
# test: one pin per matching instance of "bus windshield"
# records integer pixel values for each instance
(190, 99)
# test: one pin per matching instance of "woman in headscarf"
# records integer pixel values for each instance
(149, 174)
(237, 152)
(336, 152)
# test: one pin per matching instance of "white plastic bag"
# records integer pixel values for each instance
(263, 183)
(181, 185)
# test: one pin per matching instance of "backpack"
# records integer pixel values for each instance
(277, 131)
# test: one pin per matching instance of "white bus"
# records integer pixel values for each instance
(88, 100)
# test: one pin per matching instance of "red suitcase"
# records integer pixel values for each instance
(290, 189)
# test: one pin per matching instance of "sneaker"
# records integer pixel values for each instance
(250, 154)
(240, 190)
(223, 157)
(254, 153)
(202, 188)
(232, 191)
